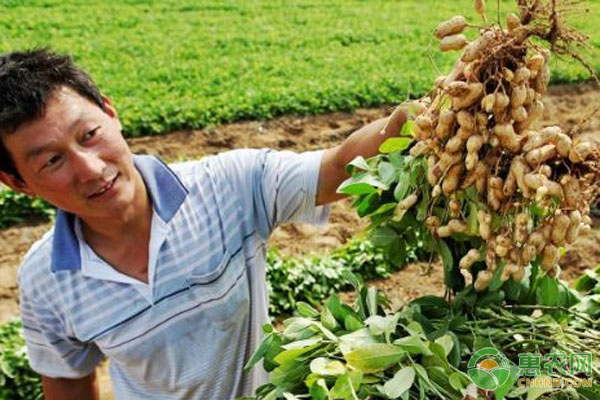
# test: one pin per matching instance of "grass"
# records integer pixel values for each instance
(191, 63)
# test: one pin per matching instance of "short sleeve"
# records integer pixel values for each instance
(51, 351)
(276, 186)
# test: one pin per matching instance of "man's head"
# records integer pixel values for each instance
(60, 139)
(27, 82)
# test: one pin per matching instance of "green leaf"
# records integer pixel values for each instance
(346, 386)
(400, 383)
(368, 204)
(328, 320)
(298, 328)
(395, 144)
(300, 344)
(352, 323)
(422, 207)
(447, 344)
(325, 367)
(289, 374)
(292, 354)
(432, 306)
(260, 352)
(413, 345)
(456, 381)
(587, 281)
(374, 357)
(447, 259)
(401, 189)
(334, 305)
(273, 394)
(306, 310)
(503, 390)
(376, 324)
(439, 353)
(384, 208)
(354, 280)
(397, 159)
(407, 128)
(455, 355)
(548, 291)
(397, 252)
(358, 163)
(496, 281)
(360, 184)
(379, 325)
(326, 332)
(387, 173)
(472, 221)
(319, 390)
(372, 301)
(357, 339)
(383, 236)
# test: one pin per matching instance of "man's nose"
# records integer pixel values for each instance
(88, 166)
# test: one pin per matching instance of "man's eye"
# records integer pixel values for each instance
(52, 161)
(91, 133)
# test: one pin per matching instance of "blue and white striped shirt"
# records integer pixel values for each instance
(200, 319)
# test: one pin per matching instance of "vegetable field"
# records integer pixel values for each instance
(187, 64)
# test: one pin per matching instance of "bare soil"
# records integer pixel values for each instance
(566, 105)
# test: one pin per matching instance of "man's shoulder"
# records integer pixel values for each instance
(215, 164)
(37, 260)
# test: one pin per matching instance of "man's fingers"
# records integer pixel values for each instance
(396, 120)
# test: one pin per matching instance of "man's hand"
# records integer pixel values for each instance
(85, 388)
(364, 142)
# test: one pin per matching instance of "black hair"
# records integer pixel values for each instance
(28, 79)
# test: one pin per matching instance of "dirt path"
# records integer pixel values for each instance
(566, 105)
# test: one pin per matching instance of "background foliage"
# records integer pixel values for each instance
(17, 380)
(174, 64)
(16, 207)
(315, 277)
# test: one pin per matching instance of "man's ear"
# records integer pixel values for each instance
(110, 109)
(15, 183)
(108, 106)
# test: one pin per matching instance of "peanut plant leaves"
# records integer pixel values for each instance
(395, 144)
(374, 357)
(413, 345)
(319, 391)
(547, 293)
(326, 367)
(260, 352)
(346, 386)
(362, 183)
(400, 383)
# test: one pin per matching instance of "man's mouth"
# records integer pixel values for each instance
(104, 189)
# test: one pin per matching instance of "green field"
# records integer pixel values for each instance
(190, 63)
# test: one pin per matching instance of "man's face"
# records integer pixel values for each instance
(75, 157)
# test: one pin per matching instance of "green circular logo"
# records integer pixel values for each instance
(489, 368)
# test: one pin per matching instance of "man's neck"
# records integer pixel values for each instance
(132, 226)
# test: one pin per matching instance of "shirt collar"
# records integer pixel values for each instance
(164, 187)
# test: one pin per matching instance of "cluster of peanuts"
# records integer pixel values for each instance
(478, 128)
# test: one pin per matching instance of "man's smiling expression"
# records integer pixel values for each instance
(75, 157)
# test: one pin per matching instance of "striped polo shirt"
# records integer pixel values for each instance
(188, 334)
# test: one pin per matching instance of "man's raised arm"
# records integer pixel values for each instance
(364, 142)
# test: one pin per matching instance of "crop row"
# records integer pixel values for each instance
(187, 64)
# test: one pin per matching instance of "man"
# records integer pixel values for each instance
(160, 268)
